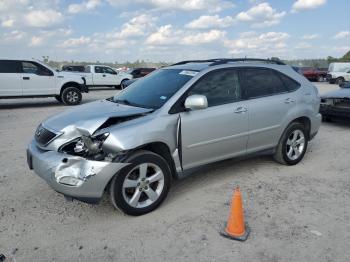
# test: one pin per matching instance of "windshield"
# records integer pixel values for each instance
(155, 89)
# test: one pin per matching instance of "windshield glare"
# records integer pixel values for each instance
(154, 90)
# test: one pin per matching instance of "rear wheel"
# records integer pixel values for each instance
(71, 96)
(122, 83)
(293, 144)
(143, 185)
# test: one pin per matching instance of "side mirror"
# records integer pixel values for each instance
(196, 102)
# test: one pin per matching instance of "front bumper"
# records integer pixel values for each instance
(336, 112)
(93, 176)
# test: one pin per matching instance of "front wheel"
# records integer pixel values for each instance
(71, 96)
(143, 185)
(339, 81)
(292, 145)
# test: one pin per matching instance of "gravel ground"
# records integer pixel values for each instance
(298, 213)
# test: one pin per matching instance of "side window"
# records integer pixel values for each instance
(34, 68)
(220, 87)
(108, 70)
(98, 69)
(9, 66)
(260, 82)
(289, 83)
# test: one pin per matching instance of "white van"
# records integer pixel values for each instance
(338, 72)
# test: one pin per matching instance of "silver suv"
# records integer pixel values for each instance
(175, 119)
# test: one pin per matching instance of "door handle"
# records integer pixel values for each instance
(26, 78)
(241, 110)
(289, 101)
(104, 75)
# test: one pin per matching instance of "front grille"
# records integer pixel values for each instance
(44, 136)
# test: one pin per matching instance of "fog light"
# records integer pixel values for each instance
(70, 181)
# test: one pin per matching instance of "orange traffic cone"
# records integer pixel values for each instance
(235, 228)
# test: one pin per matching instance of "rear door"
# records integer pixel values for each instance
(270, 102)
(37, 79)
(219, 131)
(10, 78)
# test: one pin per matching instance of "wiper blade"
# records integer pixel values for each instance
(127, 102)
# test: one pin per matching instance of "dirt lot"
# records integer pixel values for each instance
(299, 213)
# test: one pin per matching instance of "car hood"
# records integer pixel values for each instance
(340, 93)
(89, 117)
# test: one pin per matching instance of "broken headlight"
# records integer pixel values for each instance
(86, 146)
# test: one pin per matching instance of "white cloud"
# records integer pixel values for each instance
(43, 18)
(207, 21)
(14, 35)
(261, 15)
(8, 23)
(300, 5)
(163, 36)
(36, 41)
(310, 36)
(204, 38)
(303, 45)
(253, 43)
(184, 5)
(342, 35)
(137, 26)
(84, 6)
(76, 42)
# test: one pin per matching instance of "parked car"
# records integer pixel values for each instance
(336, 104)
(73, 68)
(30, 78)
(180, 117)
(313, 74)
(140, 71)
(99, 75)
(338, 73)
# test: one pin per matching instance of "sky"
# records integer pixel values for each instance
(173, 30)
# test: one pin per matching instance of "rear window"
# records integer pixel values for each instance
(290, 84)
(259, 82)
(9, 66)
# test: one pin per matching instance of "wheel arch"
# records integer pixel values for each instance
(305, 121)
(70, 84)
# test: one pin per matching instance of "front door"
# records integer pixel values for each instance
(37, 79)
(219, 131)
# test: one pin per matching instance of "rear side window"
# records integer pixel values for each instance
(35, 68)
(289, 83)
(259, 82)
(98, 69)
(220, 87)
(9, 66)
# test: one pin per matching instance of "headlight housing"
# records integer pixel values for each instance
(86, 146)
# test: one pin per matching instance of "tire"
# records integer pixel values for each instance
(132, 184)
(297, 150)
(58, 98)
(71, 96)
(122, 84)
(339, 80)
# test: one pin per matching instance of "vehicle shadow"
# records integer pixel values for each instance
(338, 123)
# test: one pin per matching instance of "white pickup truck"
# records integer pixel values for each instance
(100, 75)
(338, 72)
(30, 78)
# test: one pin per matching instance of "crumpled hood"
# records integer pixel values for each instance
(91, 116)
(340, 93)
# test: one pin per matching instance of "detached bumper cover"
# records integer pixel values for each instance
(93, 176)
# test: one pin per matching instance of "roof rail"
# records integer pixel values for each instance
(220, 61)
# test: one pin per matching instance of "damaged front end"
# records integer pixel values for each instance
(335, 107)
(74, 161)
